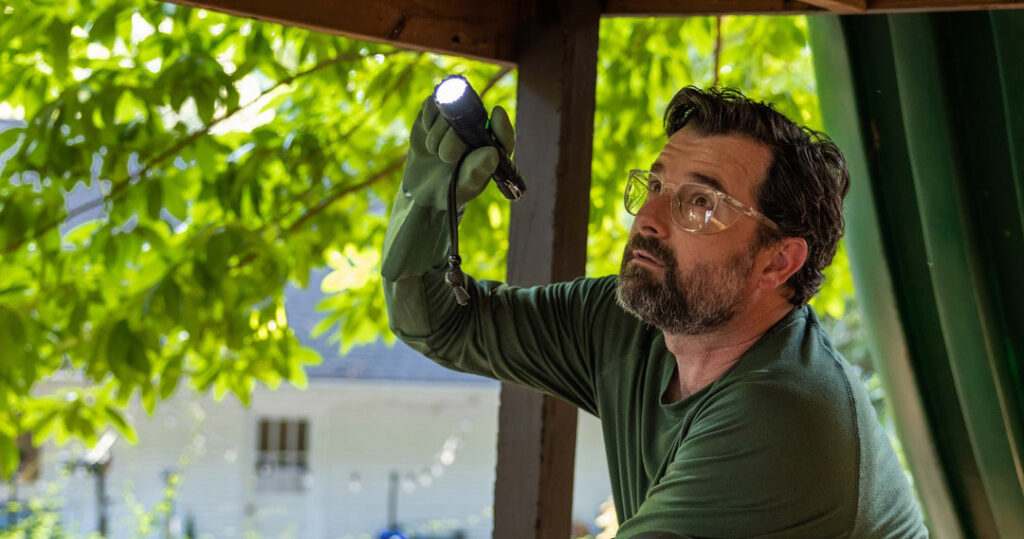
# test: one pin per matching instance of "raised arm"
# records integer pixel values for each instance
(535, 337)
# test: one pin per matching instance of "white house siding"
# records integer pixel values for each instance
(368, 428)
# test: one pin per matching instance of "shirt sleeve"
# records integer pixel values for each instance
(536, 337)
(761, 460)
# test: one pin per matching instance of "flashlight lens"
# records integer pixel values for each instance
(450, 90)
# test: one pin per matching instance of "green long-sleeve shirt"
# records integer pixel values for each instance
(784, 444)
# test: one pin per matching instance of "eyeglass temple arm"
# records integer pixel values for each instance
(750, 212)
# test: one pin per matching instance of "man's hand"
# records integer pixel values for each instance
(417, 240)
(434, 149)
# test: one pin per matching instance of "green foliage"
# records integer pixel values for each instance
(224, 159)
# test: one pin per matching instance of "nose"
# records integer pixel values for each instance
(654, 217)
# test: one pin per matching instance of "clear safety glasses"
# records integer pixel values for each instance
(696, 207)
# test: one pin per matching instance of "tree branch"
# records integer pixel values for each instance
(360, 122)
(494, 80)
(189, 140)
(339, 192)
(391, 168)
(121, 185)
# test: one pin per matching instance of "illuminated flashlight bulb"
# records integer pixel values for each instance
(450, 90)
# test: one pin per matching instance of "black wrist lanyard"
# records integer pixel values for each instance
(454, 276)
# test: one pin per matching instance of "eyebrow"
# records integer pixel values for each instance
(711, 181)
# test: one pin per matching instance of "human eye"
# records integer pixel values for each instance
(655, 187)
(698, 198)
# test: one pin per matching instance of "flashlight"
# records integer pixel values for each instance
(459, 103)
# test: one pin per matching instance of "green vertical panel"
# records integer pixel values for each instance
(893, 191)
(1008, 39)
(874, 284)
(966, 317)
(935, 121)
(982, 54)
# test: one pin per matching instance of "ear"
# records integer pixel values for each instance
(784, 259)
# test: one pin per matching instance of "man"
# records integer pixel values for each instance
(725, 410)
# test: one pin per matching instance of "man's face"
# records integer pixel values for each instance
(686, 283)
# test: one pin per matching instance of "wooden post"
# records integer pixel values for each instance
(555, 121)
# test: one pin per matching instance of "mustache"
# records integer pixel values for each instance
(656, 248)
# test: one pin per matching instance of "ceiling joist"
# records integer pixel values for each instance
(481, 29)
(487, 29)
(662, 8)
(841, 6)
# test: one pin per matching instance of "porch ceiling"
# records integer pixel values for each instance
(487, 29)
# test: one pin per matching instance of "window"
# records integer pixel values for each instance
(282, 454)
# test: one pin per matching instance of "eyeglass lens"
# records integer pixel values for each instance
(693, 203)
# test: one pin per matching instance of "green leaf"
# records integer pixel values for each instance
(174, 202)
(8, 457)
(256, 198)
(148, 398)
(43, 426)
(220, 388)
(118, 341)
(243, 390)
(12, 332)
(154, 198)
(9, 429)
(103, 28)
(119, 422)
(60, 36)
(9, 137)
(123, 394)
(172, 298)
(81, 233)
(169, 380)
(297, 371)
(204, 104)
(137, 357)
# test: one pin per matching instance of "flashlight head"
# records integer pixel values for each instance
(450, 90)
(461, 106)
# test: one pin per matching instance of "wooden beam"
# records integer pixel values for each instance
(547, 243)
(481, 29)
(486, 29)
(663, 8)
(841, 6)
(893, 6)
(536, 455)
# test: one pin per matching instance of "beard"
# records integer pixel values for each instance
(702, 300)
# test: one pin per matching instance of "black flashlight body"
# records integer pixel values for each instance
(468, 119)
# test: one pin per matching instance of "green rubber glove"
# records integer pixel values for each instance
(434, 149)
(417, 236)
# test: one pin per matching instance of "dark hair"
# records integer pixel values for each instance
(806, 182)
